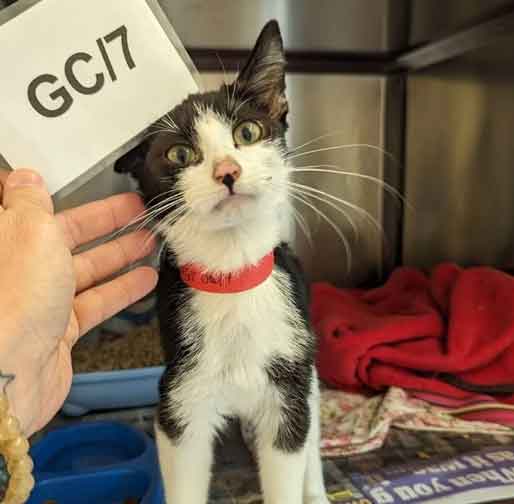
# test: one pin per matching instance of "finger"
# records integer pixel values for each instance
(4, 173)
(91, 221)
(26, 190)
(94, 265)
(100, 303)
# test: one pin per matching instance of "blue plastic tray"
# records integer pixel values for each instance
(113, 390)
(96, 463)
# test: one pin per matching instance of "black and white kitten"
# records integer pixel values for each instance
(216, 175)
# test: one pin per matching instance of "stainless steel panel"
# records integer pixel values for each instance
(460, 160)
(432, 19)
(326, 25)
(351, 108)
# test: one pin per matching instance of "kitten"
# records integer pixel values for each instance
(216, 175)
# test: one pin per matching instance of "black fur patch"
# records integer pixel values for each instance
(263, 77)
(293, 378)
(288, 262)
(173, 298)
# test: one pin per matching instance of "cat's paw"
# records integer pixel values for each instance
(316, 500)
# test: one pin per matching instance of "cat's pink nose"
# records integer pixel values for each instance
(226, 170)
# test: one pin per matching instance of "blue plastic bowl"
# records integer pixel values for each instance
(105, 390)
(113, 487)
(88, 446)
(96, 463)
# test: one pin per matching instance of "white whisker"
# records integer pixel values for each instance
(358, 209)
(322, 169)
(225, 82)
(334, 227)
(302, 224)
(148, 214)
(233, 98)
(157, 131)
(157, 213)
(350, 221)
(239, 105)
(346, 146)
(316, 139)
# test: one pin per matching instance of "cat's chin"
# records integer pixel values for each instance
(232, 215)
(235, 201)
(238, 210)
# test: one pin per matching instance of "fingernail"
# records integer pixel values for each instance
(24, 178)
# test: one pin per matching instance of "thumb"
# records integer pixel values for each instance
(25, 189)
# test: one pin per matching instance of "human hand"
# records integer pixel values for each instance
(49, 297)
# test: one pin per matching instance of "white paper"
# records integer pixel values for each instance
(40, 41)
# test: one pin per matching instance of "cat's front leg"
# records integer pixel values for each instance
(282, 454)
(281, 474)
(314, 485)
(185, 459)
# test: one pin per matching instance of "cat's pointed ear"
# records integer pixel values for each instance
(263, 76)
(133, 161)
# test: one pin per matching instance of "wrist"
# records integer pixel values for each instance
(17, 466)
(11, 363)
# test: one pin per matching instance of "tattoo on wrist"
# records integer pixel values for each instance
(5, 380)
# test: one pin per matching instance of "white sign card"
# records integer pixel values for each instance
(82, 79)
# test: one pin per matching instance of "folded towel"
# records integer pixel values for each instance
(450, 333)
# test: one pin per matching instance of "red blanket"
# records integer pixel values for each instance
(451, 333)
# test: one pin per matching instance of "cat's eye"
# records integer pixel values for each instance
(248, 133)
(181, 155)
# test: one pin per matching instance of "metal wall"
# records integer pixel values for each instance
(326, 25)
(351, 109)
(431, 19)
(460, 160)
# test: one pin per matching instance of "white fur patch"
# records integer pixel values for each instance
(247, 227)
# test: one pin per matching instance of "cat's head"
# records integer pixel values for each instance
(217, 160)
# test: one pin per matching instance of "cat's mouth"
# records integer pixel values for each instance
(234, 200)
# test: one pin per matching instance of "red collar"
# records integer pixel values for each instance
(245, 279)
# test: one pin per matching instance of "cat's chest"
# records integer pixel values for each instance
(243, 331)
